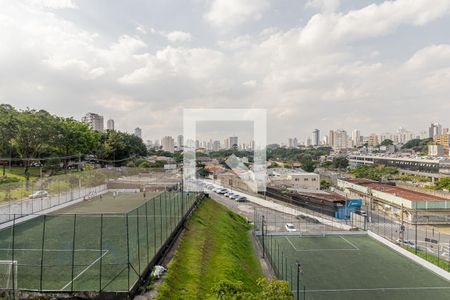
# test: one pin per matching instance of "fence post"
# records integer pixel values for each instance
(262, 231)
(128, 253)
(101, 252)
(42, 252)
(154, 226)
(13, 255)
(161, 221)
(73, 249)
(146, 230)
(138, 243)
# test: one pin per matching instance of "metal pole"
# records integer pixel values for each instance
(42, 252)
(415, 234)
(138, 243)
(154, 226)
(161, 221)
(128, 252)
(73, 250)
(262, 229)
(12, 255)
(101, 252)
(298, 281)
(146, 230)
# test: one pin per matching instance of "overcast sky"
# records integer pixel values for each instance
(321, 64)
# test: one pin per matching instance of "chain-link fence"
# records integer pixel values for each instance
(24, 198)
(89, 252)
(426, 241)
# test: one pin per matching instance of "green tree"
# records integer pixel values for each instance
(7, 131)
(33, 134)
(387, 142)
(340, 162)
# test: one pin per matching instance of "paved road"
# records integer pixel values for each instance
(274, 219)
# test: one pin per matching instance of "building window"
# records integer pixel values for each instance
(306, 179)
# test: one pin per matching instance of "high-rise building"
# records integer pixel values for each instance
(434, 129)
(216, 146)
(110, 124)
(331, 138)
(316, 137)
(308, 141)
(138, 132)
(290, 143)
(233, 141)
(226, 144)
(180, 142)
(356, 137)
(168, 144)
(373, 140)
(442, 139)
(340, 139)
(94, 121)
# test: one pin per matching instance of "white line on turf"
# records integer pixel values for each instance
(84, 270)
(317, 250)
(351, 244)
(380, 289)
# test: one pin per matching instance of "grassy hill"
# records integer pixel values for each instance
(215, 246)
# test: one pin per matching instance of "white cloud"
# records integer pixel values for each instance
(231, 13)
(431, 57)
(118, 103)
(370, 21)
(195, 63)
(54, 4)
(323, 5)
(178, 36)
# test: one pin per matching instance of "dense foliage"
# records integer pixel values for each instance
(35, 134)
(377, 173)
(442, 184)
(418, 145)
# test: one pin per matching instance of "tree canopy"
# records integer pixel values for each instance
(35, 134)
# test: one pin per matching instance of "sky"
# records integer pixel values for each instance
(327, 64)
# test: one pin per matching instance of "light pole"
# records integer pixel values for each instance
(299, 270)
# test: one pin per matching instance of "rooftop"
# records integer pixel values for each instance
(397, 191)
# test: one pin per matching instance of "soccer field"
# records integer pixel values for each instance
(350, 267)
(95, 251)
(109, 202)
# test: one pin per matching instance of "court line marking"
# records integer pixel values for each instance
(379, 289)
(84, 270)
(351, 244)
(317, 250)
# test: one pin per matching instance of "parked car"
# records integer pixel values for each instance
(241, 199)
(234, 196)
(290, 227)
(229, 194)
(222, 191)
(39, 194)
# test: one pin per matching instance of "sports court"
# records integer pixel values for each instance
(349, 266)
(100, 244)
(109, 202)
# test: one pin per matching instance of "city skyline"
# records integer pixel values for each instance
(145, 70)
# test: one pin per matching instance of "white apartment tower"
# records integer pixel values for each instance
(94, 121)
(110, 124)
(316, 137)
(168, 144)
(356, 138)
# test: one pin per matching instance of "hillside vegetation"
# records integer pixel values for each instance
(215, 257)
